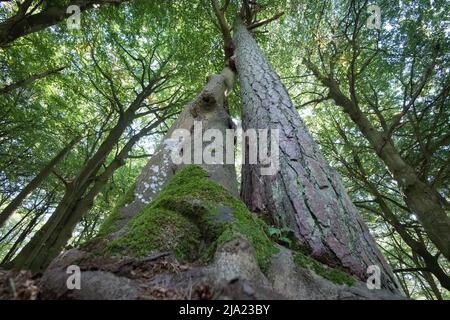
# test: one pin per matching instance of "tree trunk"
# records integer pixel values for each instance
(238, 260)
(63, 230)
(29, 80)
(424, 201)
(210, 108)
(39, 251)
(417, 247)
(23, 235)
(305, 195)
(36, 182)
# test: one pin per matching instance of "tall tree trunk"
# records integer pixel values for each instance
(36, 182)
(220, 223)
(423, 200)
(63, 230)
(305, 195)
(32, 256)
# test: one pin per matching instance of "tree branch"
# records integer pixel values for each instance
(224, 28)
(29, 80)
(410, 270)
(265, 21)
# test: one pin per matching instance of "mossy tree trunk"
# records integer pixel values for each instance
(192, 213)
(209, 108)
(306, 195)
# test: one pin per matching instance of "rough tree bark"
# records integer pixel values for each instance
(36, 181)
(181, 215)
(423, 200)
(306, 195)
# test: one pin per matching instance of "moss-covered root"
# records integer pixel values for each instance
(331, 274)
(191, 217)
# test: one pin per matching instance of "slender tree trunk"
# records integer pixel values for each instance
(430, 280)
(417, 247)
(36, 182)
(63, 229)
(29, 80)
(424, 201)
(305, 195)
(21, 238)
(29, 256)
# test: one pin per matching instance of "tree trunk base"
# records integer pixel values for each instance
(233, 274)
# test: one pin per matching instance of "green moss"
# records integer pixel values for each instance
(109, 225)
(250, 228)
(159, 229)
(334, 275)
(190, 210)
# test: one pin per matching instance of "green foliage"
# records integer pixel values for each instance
(109, 225)
(281, 235)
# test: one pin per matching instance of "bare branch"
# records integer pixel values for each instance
(265, 21)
